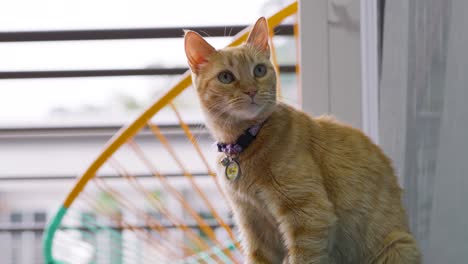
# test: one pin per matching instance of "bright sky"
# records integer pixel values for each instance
(28, 102)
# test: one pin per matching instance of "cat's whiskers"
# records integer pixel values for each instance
(218, 111)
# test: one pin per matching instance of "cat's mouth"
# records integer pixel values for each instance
(254, 101)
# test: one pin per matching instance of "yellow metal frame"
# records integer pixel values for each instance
(127, 132)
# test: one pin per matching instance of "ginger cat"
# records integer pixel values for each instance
(306, 190)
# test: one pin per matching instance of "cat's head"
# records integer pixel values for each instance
(237, 83)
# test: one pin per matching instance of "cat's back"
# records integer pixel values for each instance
(356, 172)
(362, 185)
(357, 175)
(330, 140)
(348, 156)
(346, 145)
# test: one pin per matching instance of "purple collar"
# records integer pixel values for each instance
(242, 142)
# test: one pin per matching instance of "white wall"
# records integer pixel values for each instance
(331, 58)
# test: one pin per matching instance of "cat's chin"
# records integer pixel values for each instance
(252, 112)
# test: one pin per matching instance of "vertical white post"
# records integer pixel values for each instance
(369, 70)
(313, 49)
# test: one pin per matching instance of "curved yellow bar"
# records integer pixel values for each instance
(127, 132)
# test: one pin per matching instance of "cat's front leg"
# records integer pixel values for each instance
(306, 220)
(261, 240)
(307, 234)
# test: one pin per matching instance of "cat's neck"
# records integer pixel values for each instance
(228, 130)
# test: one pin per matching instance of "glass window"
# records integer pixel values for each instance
(89, 14)
(102, 101)
(16, 217)
(39, 217)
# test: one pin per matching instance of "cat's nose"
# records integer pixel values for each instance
(251, 93)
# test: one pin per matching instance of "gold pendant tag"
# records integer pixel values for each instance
(233, 170)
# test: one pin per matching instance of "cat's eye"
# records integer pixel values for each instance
(226, 77)
(260, 70)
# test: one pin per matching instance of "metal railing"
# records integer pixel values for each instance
(115, 34)
(135, 33)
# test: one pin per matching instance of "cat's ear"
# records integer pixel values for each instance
(197, 50)
(259, 36)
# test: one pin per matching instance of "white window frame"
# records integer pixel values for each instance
(370, 68)
(325, 85)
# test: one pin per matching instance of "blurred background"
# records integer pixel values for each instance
(73, 73)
